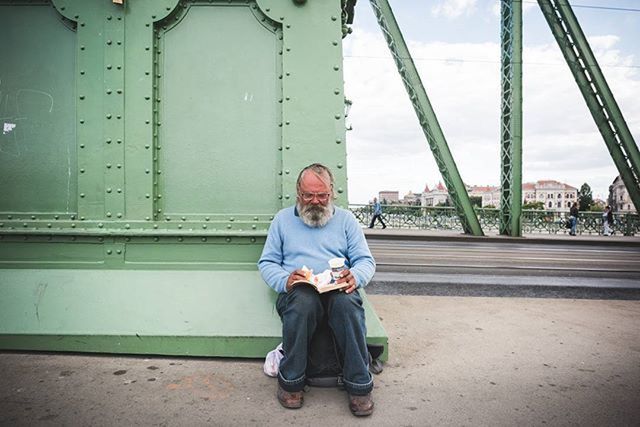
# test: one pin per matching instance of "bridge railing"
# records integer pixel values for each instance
(533, 221)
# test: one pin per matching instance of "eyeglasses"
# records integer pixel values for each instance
(322, 197)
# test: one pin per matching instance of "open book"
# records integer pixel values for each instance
(322, 282)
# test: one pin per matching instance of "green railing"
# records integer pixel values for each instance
(533, 221)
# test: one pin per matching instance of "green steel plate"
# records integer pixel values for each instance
(186, 313)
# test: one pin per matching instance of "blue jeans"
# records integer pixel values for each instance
(574, 224)
(302, 310)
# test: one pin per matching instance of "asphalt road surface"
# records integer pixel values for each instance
(490, 268)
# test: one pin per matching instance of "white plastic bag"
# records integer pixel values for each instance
(272, 361)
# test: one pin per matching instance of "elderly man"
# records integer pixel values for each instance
(310, 233)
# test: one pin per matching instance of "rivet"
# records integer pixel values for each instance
(49, 225)
(82, 72)
(180, 239)
(337, 92)
(108, 165)
(254, 226)
(147, 98)
(119, 141)
(81, 121)
(118, 117)
(337, 116)
(287, 123)
(118, 67)
(156, 239)
(255, 218)
(286, 196)
(73, 225)
(119, 190)
(204, 239)
(56, 216)
(119, 215)
(108, 116)
(33, 217)
(108, 41)
(229, 226)
(24, 224)
(81, 218)
(108, 190)
(147, 218)
(232, 219)
(109, 18)
(147, 195)
(109, 66)
(118, 42)
(282, 18)
(340, 190)
(253, 239)
(147, 146)
(119, 166)
(288, 26)
(287, 147)
(180, 226)
(339, 165)
(100, 225)
(108, 91)
(127, 226)
(206, 218)
(127, 239)
(335, 67)
(81, 145)
(81, 170)
(81, 96)
(108, 140)
(109, 251)
(338, 141)
(82, 47)
(184, 218)
(287, 171)
(119, 90)
(204, 225)
(82, 195)
(108, 214)
(287, 98)
(155, 225)
(333, 18)
(119, 251)
(147, 171)
(335, 43)
(74, 238)
(228, 239)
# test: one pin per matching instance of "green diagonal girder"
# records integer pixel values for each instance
(427, 117)
(596, 92)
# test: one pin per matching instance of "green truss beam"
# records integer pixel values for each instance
(596, 93)
(427, 117)
(511, 120)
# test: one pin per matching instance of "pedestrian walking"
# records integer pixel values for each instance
(607, 221)
(377, 214)
(573, 217)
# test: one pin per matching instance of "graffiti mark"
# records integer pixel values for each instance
(37, 92)
(8, 127)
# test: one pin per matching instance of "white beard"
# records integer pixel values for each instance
(315, 216)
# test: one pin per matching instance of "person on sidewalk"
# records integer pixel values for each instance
(377, 214)
(573, 217)
(607, 221)
(309, 234)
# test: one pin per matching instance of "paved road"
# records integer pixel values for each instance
(503, 268)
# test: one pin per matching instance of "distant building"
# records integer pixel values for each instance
(619, 199)
(556, 196)
(388, 197)
(411, 198)
(439, 196)
(490, 195)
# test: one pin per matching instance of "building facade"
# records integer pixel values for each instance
(619, 199)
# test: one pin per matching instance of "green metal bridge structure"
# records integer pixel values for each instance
(147, 145)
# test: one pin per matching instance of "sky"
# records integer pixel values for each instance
(455, 45)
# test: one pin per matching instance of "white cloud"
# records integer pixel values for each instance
(388, 151)
(454, 8)
(496, 6)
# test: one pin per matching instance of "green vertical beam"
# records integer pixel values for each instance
(511, 119)
(596, 92)
(426, 116)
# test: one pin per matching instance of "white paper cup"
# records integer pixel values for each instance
(336, 265)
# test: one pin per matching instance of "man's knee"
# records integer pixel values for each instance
(346, 306)
(303, 301)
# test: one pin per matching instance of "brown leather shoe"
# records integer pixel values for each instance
(361, 406)
(290, 400)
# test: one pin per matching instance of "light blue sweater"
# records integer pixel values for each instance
(291, 244)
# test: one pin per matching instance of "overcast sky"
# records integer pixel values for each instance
(456, 47)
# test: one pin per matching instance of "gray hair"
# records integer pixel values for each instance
(321, 171)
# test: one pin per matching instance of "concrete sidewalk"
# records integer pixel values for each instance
(453, 361)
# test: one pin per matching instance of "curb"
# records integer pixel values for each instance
(418, 235)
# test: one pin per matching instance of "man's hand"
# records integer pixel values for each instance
(347, 277)
(294, 277)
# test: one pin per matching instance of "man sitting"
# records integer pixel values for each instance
(309, 234)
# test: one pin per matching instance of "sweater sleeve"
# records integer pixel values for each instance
(270, 263)
(361, 262)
